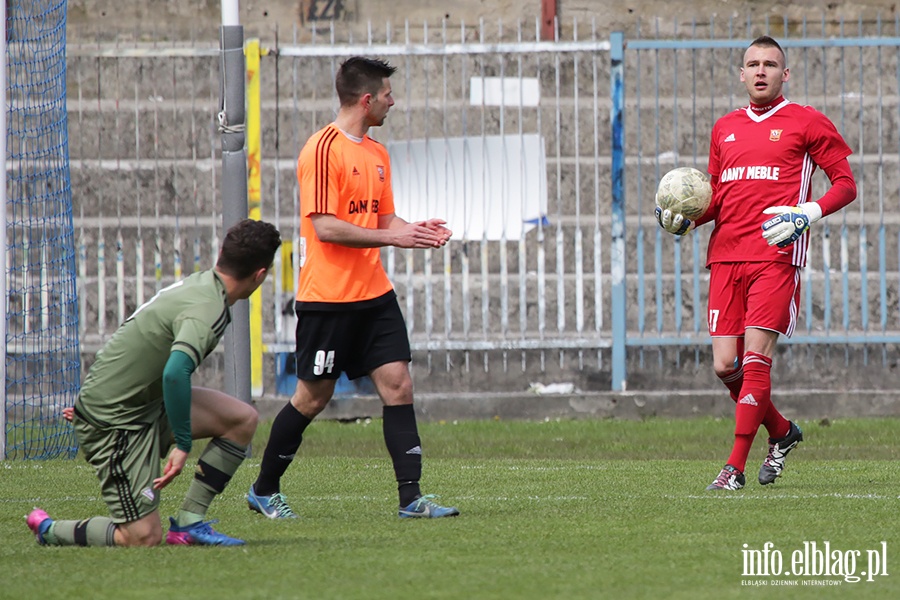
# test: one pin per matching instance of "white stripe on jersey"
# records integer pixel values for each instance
(801, 246)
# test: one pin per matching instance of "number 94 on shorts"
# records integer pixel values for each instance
(355, 340)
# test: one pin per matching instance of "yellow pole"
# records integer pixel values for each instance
(254, 196)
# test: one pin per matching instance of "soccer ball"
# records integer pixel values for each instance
(685, 191)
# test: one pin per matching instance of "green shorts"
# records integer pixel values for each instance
(126, 462)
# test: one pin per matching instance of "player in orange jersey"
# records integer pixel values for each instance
(348, 317)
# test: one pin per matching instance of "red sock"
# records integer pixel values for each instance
(775, 423)
(733, 380)
(754, 403)
(740, 451)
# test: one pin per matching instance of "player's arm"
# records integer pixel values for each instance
(843, 188)
(678, 224)
(391, 231)
(388, 218)
(176, 383)
(712, 210)
(790, 222)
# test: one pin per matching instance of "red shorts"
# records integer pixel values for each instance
(764, 295)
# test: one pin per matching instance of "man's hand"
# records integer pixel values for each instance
(673, 222)
(421, 234)
(174, 465)
(789, 223)
(437, 226)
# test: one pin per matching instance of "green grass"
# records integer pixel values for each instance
(571, 509)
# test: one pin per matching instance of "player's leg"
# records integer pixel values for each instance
(323, 339)
(754, 400)
(726, 324)
(401, 437)
(385, 355)
(728, 359)
(774, 304)
(755, 396)
(728, 365)
(95, 531)
(309, 399)
(771, 293)
(727, 288)
(749, 415)
(146, 531)
(126, 463)
(229, 424)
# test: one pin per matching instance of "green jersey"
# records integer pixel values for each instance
(123, 388)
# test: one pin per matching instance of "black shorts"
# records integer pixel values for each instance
(352, 341)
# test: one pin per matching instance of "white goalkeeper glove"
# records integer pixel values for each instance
(789, 223)
(673, 222)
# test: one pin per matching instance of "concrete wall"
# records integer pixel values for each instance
(179, 18)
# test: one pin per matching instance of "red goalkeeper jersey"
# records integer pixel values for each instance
(762, 160)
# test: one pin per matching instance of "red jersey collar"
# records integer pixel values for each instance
(764, 108)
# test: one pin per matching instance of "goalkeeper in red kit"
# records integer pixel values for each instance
(761, 161)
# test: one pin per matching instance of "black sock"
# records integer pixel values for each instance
(401, 436)
(287, 433)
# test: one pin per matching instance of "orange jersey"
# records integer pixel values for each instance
(352, 181)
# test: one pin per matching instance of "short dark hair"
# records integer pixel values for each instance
(769, 42)
(248, 246)
(358, 76)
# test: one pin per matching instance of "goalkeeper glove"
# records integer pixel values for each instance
(673, 222)
(789, 223)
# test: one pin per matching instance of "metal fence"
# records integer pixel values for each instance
(589, 274)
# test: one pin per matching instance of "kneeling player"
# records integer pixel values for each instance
(137, 399)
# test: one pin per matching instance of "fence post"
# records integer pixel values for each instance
(232, 120)
(252, 54)
(617, 251)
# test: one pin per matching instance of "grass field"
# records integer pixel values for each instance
(570, 509)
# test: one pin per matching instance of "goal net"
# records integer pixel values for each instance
(42, 361)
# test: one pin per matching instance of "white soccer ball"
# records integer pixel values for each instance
(685, 191)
